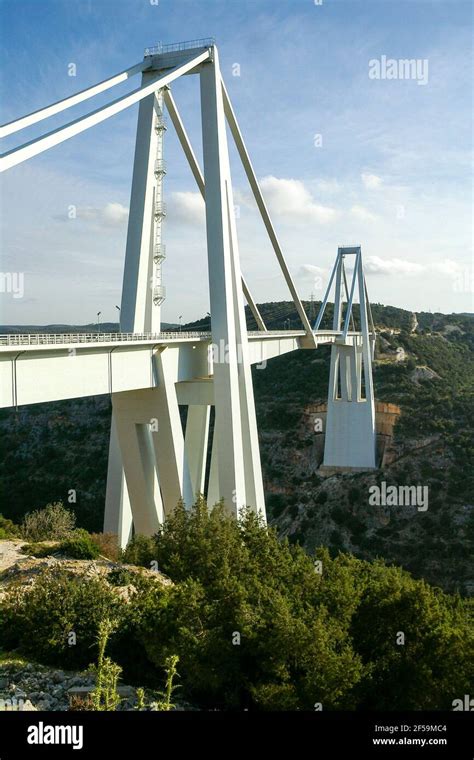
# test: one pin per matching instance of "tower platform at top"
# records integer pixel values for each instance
(168, 56)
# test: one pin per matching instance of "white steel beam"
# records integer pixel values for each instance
(322, 308)
(71, 100)
(57, 136)
(351, 297)
(252, 178)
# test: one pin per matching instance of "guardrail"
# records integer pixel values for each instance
(159, 48)
(46, 339)
(41, 339)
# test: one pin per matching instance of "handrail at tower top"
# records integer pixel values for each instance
(159, 48)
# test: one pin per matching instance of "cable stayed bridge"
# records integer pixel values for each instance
(149, 374)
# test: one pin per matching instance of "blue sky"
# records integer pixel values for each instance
(391, 170)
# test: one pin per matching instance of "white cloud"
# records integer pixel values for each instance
(448, 266)
(110, 215)
(291, 199)
(309, 271)
(371, 181)
(115, 213)
(361, 213)
(376, 265)
(187, 207)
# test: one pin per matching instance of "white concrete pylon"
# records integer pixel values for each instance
(222, 259)
(138, 313)
(235, 406)
(350, 440)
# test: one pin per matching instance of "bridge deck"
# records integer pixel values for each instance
(34, 340)
(49, 367)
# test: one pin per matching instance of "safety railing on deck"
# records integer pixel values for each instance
(41, 339)
(53, 339)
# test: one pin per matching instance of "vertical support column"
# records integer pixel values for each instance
(140, 306)
(228, 425)
(195, 445)
(137, 302)
(175, 482)
(132, 418)
(250, 447)
(159, 213)
(213, 496)
(118, 512)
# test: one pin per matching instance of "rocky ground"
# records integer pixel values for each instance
(32, 687)
(28, 686)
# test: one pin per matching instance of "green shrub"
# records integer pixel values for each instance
(140, 551)
(54, 522)
(121, 577)
(56, 620)
(254, 624)
(79, 545)
(8, 529)
(435, 663)
(39, 549)
(236, 582)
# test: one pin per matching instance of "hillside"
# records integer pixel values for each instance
(48, 449)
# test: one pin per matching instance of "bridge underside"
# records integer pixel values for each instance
(32, 371)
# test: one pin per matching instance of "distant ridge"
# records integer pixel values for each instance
(105, 327)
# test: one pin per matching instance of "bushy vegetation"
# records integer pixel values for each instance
(256, 622)
(79, 545)
(8, 529)
(54, 522)
(56, 621)
(107, 544)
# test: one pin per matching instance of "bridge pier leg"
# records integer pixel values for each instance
(213, 493)
(238, 461)
(350, 421)
(118, 512)
(195, 444)
(174, 478)
(133, 423)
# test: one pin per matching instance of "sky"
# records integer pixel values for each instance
(350, 146)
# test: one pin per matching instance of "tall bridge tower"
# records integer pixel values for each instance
(149, 374)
